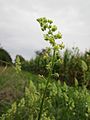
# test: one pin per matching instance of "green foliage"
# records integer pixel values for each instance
(24, 65)
(5, 58)
(70, 66)
(26, 108)
(76, 69)
(22, 60)
(38, 65)
(83, 65)
(12, 87)
(17, 64)
(61, 103)
(73, 67)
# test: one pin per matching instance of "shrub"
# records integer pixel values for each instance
(5, 58)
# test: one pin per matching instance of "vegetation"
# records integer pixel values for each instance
(24, 92)
(11, 87)
(4, 56)
(70, 65)
(58, 91)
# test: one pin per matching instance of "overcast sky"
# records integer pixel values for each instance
(20, 33)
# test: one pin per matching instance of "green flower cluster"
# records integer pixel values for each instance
(17, 65)
(50, 32)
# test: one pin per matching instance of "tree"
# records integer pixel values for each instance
(5, 58)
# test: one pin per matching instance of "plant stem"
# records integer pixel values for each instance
(43, 98)
(42, 102)
(53, 59)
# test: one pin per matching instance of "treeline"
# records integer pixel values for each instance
(68, 66)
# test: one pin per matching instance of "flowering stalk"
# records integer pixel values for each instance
(51, 36)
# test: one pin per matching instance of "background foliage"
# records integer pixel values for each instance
(4, 56)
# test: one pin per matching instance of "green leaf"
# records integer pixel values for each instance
(76, 82)
(84, 65)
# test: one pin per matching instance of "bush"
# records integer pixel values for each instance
(5, 58)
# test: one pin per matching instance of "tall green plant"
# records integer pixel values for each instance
(50, 35)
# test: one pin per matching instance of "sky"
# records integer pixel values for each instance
(21, 34)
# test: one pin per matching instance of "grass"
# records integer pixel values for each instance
(12, 86)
